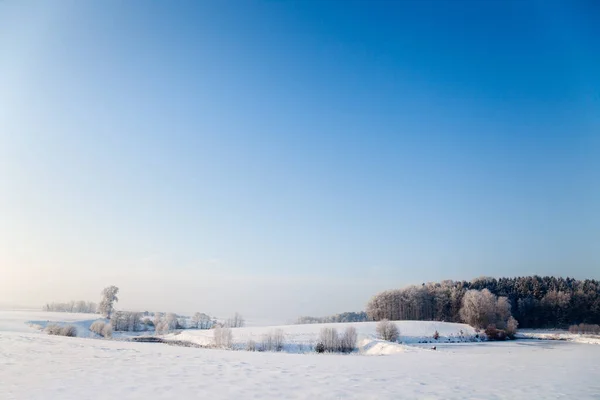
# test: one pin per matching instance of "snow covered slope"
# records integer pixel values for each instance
(33, 321)
(298, 337)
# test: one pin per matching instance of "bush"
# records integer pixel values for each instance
(107, 331)
(251, 345)
(320, 348)
(511, 327)
(494, 333)
(57, 330)
(348, 342)
(98, 327)
(273, 340)
(223, 337)
(329, 339)
(387, 330)
(585, 329)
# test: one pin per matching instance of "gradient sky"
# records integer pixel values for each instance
(288, 158)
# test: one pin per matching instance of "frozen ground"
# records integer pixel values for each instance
(37, 366)
(300, 338)
(555, 334)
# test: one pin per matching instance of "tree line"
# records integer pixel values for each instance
(343, 317)
(534, 301)
(73, 306)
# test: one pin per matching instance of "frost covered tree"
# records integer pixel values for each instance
(348, 341)
(171, 321)
(237, 321)
(196, 319)
(482, 308)
(387, 330)
(109, 297)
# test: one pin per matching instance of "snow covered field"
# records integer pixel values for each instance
(37, 366)
(300, 338)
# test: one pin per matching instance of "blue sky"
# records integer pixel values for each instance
(321, 151)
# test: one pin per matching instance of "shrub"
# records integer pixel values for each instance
(320, 348)
(585, 329)
(273, 340)
(57, 330)
(99, 327)
(330, 339)
(436, 335)
(511, 327)
(251, 345)
(348, 342)
(223, 337)
(107, 331)
(387, 330)
(494, 333)
(53, 329)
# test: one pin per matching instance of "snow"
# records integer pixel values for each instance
(34, 365)
(556, 334)
(299, 337)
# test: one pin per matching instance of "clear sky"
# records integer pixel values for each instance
(282, 158)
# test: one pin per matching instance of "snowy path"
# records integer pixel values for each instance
(35, 366)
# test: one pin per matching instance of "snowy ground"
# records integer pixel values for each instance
(37, 366)
(555, 334)
(301, 338)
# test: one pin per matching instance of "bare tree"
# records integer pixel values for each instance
(109, 297)
(273, 340)
(387, 330)
(330, 339)
(237, 321)
(223, 337)
(348, 341)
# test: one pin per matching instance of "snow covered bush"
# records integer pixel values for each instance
(330, 339)
(511, 327)
(98, 327)
(107, 331)
(494, 333)
(223, 337)
(251, 345)
(585, 329)
(57, 330)
(387, 330)
(348, 341)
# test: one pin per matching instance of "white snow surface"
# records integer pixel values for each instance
(556, 334)
(298, 337)
(34, 365)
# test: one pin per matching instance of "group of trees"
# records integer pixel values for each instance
(237, 321)
(73, 307)
(201, 321)
(535, 302)
(330, 341)
(343, 317)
